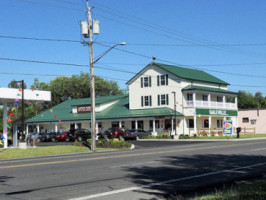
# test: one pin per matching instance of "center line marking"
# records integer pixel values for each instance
(133, 164)
(127, 155)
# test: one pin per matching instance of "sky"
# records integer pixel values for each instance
(224, 38)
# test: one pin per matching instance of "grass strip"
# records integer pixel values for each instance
(12, 153)
(255, 190)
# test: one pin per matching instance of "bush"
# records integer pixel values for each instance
(113, 143)
(159, 136)
(184, 137)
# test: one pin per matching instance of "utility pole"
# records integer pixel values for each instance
(86, 31)
(22, 118)
(92, 89)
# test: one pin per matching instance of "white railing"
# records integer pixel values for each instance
(213, 104)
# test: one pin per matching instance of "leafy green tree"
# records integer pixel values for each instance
(16, 84)
(74, 87)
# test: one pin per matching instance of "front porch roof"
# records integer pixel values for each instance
(207, 89)
(120, 109)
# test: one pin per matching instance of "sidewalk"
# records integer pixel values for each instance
(204, 140)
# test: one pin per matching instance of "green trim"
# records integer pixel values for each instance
(216, 112)
(200, 88)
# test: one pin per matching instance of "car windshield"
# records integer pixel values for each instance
(35, 133)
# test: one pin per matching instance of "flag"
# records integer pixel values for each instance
(32, 90)
(9, 120)
(11, 114)
(51, 110)
(20, 90)
(55, 116)
(7, 126)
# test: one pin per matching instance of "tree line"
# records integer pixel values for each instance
(62, 89)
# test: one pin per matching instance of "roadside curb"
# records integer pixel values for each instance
(203, 140)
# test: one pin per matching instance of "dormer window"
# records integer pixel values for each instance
(162, 79)
(146, 81)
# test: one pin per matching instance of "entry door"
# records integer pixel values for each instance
(72, 126)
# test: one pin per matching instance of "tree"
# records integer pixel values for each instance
(74, 87)
(16, 84)
(40, 85)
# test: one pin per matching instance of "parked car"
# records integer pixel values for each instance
(70, 135)
(82, 134)
(50, 137)
(115, 133)
(135, 134)
(61, 137)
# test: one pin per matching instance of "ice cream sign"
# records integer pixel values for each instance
(217, 112)
(228, 127)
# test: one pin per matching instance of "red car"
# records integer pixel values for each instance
(61, 136)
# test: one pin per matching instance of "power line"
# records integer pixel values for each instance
(107, 68)
(39, 39)
(188, 45)
(166, 29)
(216, 71)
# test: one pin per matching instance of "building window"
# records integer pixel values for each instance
(245, 120)
(219, 123)
(205, 97)
(206, 123)
(163, 99)
(157, 124)
(189, 97)
(190, 123)
(100, 125)
(146, 101)
(162, 79)
(219, 99)
(253, 121)
(145, 81)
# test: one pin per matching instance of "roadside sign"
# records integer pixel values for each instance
(228, 127)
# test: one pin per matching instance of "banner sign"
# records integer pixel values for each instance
(228, 127)
(216, 112)
(83, 109)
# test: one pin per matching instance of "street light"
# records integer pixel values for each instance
(175, 112)
(86, 31)
(93, 115)
(104, 53)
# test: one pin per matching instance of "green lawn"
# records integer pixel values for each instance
(242, 136)
(249, 191)
(40, 151)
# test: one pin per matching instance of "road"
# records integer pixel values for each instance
(144, 173)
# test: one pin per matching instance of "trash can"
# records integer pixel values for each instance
(238, 130)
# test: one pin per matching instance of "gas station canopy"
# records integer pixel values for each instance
(9, 95)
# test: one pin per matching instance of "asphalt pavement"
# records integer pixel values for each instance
(150, 172)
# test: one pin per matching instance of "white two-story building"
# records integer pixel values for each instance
(202, 103)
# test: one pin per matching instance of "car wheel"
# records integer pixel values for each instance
(53, 139)
(137, 137)
(80, 139)
(120, 137)
(67, 139)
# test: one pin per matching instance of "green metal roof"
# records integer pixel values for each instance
(120, 109)
(207, 89)
(98, 100)
(186, 73)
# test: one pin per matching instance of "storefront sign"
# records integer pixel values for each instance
(216, 112)
(228, 127)
(83, 109)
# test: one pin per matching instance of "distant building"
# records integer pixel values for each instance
(203, 102)
(252, 120)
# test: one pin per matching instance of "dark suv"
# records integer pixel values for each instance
(82, 134)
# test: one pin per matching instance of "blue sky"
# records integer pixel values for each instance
(173, 31)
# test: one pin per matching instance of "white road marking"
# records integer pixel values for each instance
(258, 149)
(164, 182)
(133, 164)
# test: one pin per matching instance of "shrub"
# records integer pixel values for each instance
(113, 143)
(184, 137)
